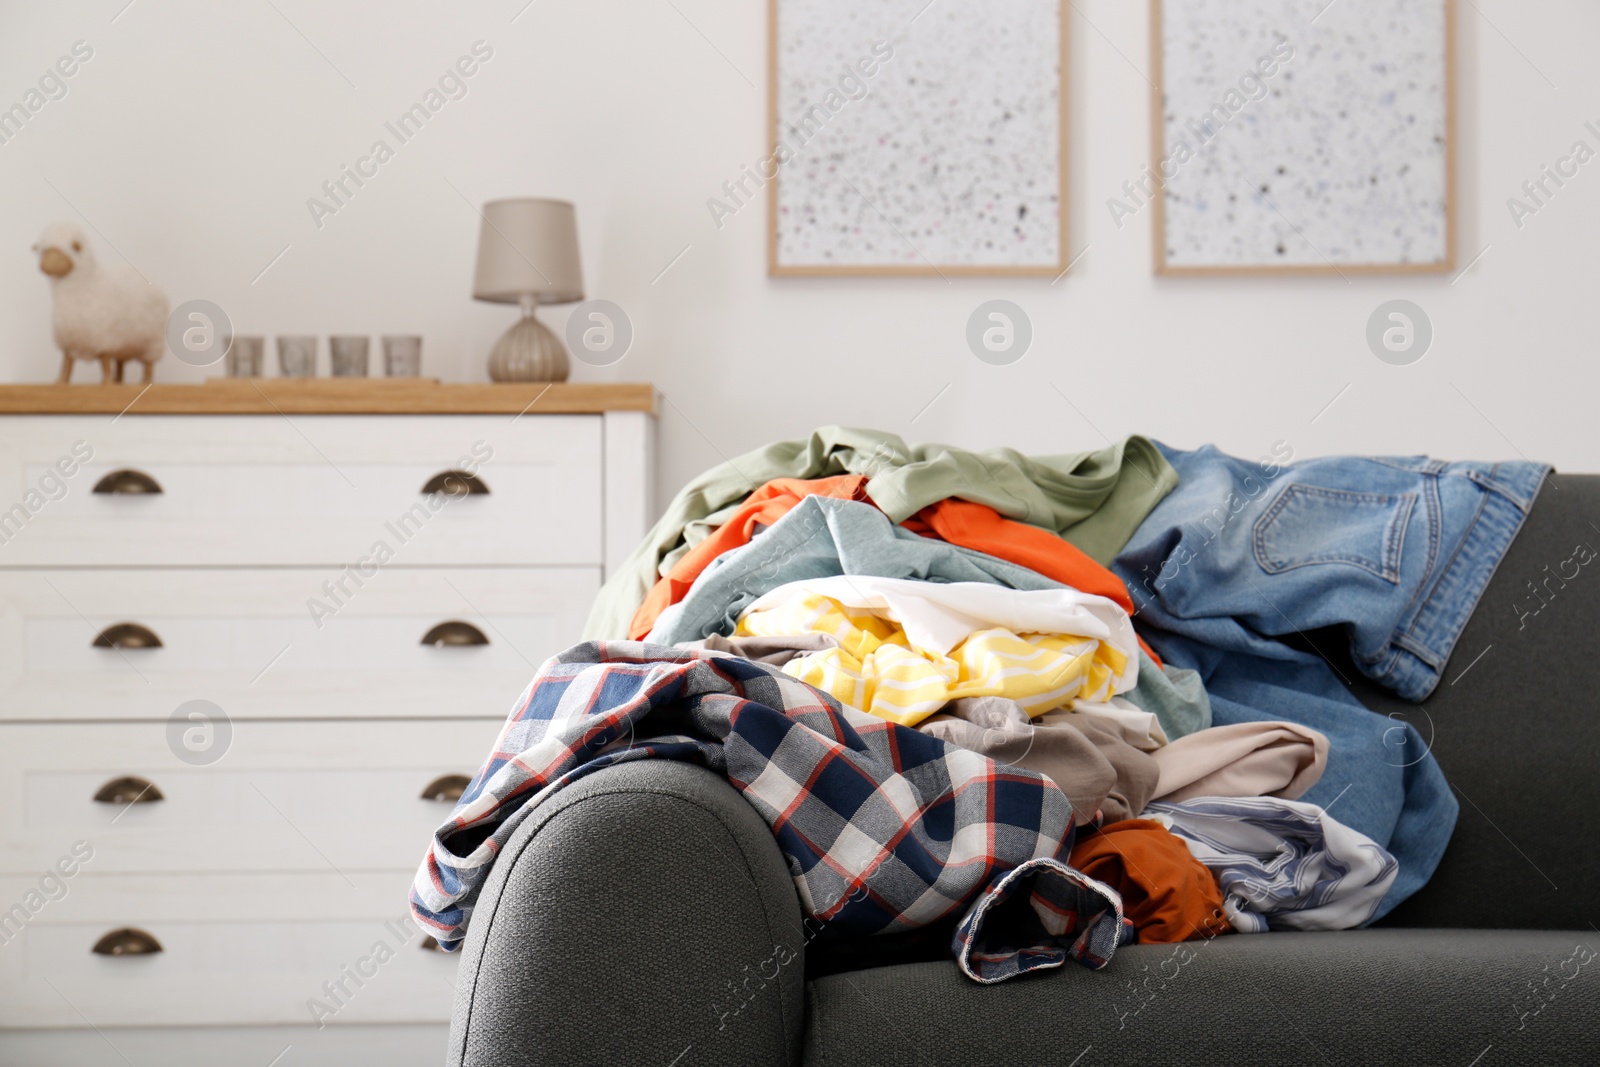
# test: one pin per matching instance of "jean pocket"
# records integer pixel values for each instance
(1309, 525)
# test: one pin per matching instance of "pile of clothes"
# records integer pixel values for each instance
(1056, 703)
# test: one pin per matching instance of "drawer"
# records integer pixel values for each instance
(316, 489)
(281, 642)
(332, 797)
(233, 949)
(336, 1045)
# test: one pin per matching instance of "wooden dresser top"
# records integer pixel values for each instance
(329, 396)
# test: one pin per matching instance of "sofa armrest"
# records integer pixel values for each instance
(637, 914)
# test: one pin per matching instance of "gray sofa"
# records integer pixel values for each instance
(645, 916)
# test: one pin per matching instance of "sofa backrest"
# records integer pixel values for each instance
(1515, 724)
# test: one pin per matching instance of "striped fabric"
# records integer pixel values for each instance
(1282, 864)
(884, 829)
(882, 669)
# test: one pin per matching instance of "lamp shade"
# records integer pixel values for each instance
(528, 247)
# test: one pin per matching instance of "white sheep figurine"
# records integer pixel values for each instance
(107, 312)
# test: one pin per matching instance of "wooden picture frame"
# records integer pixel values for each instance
(777, 268)
(1158, 149)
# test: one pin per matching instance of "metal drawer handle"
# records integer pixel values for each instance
(454, 633)
(446, 787)
(127, 635)
(127, 481)
(127, 941)
(456, 483)
(129, 789)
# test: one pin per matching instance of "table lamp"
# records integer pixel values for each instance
(528, 255)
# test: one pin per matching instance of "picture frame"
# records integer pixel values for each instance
(785, 259)
(1323, 263)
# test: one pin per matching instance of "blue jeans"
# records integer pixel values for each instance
(1395, 551)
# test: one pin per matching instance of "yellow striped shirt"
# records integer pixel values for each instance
(877, 669)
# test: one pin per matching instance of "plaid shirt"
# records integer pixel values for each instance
(885, 829)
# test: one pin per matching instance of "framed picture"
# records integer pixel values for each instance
(907, 142)
(1302, 136)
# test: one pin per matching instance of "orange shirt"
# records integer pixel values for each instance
(1168, 894)
(983, 529)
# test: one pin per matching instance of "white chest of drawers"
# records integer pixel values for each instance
(249, 647)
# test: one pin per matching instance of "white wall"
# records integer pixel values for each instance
(194, 136)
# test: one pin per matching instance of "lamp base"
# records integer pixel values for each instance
(528, 352)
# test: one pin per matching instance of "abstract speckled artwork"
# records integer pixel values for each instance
(1304, 135)
(916, 141)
